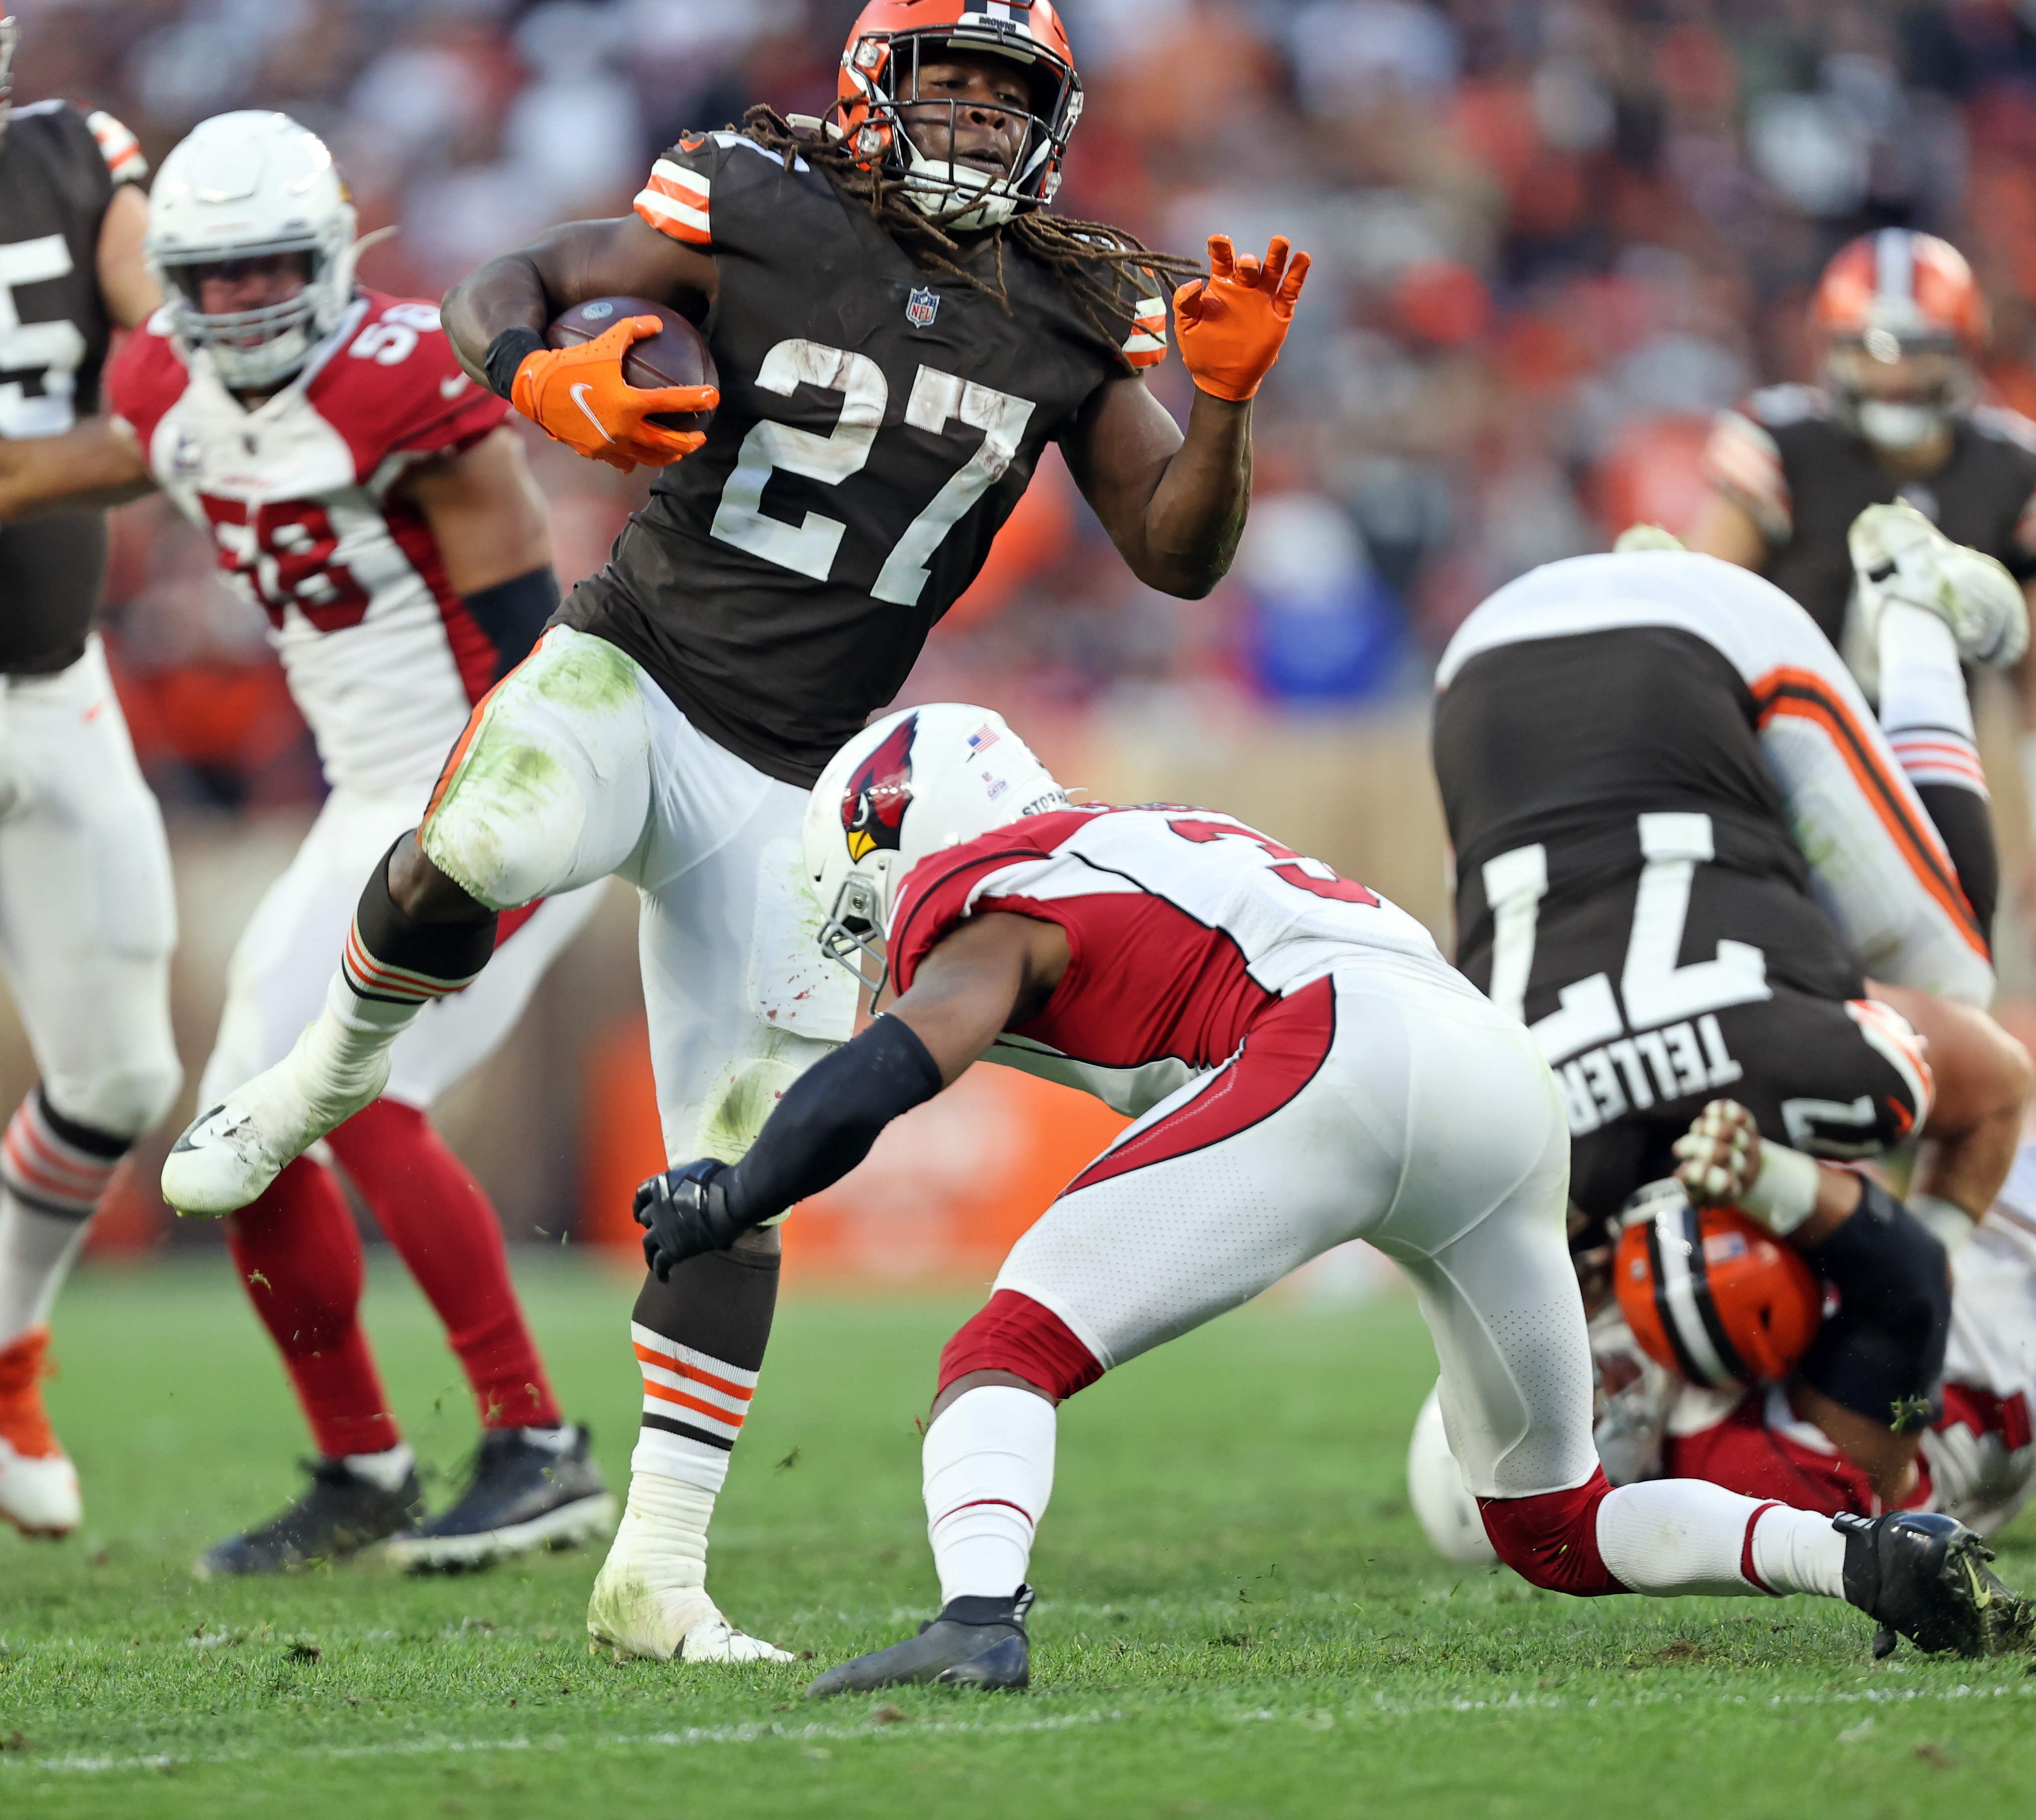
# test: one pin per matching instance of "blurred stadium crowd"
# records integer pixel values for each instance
(1550, 239)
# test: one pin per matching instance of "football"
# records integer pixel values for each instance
(675, 355)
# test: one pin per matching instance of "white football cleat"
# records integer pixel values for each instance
(37, 1483)
(228, 1155)
(650, 1597)
(1898, 555)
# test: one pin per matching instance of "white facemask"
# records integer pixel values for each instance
(1890, 425)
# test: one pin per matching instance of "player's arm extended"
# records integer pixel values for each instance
(1726, 529)
(572, 264)
(993, 971)
(1174, 505)
(97, 463)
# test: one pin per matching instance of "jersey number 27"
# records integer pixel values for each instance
(937, 399)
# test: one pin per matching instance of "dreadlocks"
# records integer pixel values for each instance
(1101, 266)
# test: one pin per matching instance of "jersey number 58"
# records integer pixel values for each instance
(283, 555)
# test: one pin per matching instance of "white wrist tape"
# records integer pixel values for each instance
(1784, 1192)
(1945, 1220)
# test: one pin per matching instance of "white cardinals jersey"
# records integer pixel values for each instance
(382, 658)
(1183, 924)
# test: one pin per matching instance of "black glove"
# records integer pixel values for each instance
(687, 1214)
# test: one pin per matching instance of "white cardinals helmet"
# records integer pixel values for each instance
(915, 782)
(1448, 1513)
(243, 186)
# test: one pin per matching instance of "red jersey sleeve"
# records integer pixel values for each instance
(936, 893)
(145, 379)
(395, 390)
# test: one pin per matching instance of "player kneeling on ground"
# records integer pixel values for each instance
(1309, 1070)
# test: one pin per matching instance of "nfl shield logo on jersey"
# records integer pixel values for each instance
(921, 306)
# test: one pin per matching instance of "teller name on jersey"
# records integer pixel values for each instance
(297, 491)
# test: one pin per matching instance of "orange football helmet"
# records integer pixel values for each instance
(879, 74)
(1898, 317)
(1712, 1295)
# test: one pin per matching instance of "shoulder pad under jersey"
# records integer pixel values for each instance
(2005, 426)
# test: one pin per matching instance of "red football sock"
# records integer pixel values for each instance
(444, 1228)
(298, 1257)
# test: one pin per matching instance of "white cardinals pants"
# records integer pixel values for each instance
(1982, 1455)
(579, 766)
(88, 918)
(1389, 1103)
(276, 982)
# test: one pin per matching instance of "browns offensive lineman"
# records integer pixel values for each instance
(900, 328)
(1683, 843)
(87, 918)
(368, 498)
(1313, 1072)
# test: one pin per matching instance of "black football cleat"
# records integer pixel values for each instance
(975, 1642)
(1925, 1576)
(526, 1493)
(339, 1514)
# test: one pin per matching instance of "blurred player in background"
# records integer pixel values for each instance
(900, 328)
(1893, 474)
(370, 499)
(87, 916)
(1307, 1070)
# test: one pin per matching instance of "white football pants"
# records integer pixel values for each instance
(1404, 1109)
(579, 766)
(276, 982)
(87, 916)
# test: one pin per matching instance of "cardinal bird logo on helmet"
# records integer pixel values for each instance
(872, 807)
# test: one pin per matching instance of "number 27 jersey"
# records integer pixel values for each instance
(876, 425)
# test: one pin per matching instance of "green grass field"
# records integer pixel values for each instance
(1238, 1614)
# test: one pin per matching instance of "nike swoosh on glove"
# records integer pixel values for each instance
(1232, 324)
(578, 396)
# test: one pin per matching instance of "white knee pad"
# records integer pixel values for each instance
(125, 1101)
(508, 828)
(511, 822)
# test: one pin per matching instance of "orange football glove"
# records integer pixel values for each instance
(1231, 326)
(578, 396)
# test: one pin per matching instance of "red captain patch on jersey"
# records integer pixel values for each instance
(873, 806)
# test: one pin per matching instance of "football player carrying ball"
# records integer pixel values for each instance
(900, 327)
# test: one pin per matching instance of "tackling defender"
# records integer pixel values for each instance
(87, 916)
(1309, 1070)
(900, 327)
(370, 499)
